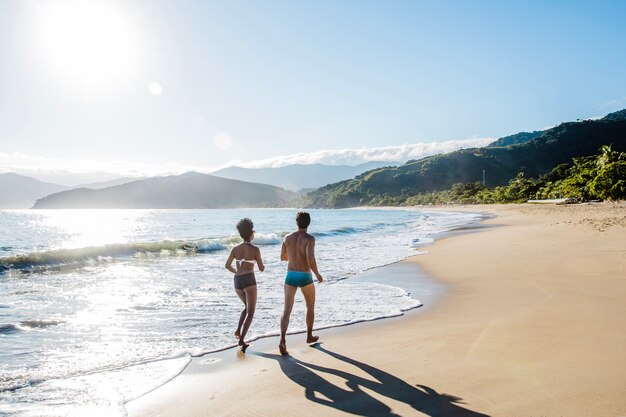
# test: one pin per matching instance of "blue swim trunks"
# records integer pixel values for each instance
(298, 278)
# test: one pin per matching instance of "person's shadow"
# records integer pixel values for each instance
(355, 400)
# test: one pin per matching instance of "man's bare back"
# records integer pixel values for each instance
(296, 245)
(299, 250)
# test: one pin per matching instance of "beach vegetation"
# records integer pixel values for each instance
(599, 177)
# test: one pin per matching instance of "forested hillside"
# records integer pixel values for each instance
(498, 164)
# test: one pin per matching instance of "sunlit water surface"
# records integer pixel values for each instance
(98, 307)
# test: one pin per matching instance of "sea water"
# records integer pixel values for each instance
(98, 307)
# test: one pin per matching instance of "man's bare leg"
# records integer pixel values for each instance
(309, 297)
(290, 294)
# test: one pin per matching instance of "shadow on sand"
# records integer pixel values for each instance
(355, 400)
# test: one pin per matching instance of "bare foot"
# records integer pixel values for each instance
(243, 345)
(312, 339)
(237, 334)
(283, 348)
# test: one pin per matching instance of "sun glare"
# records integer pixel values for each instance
(92, 42)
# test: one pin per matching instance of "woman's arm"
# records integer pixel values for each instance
(259, 261)
(229, 262)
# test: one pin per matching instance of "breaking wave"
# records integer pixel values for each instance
(107, 253)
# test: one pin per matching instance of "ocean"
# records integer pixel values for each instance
(98, 307)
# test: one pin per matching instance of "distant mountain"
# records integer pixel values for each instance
(18, 191)
(296, 177)
(190, 190)
(516, 139)
(110, 183)
(500, 164)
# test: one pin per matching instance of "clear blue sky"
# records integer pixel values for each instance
(251, 80)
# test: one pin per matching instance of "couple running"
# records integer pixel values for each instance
(299, 251)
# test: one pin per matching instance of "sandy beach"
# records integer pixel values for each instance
(532, 322)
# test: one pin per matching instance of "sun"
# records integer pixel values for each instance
(88, 41)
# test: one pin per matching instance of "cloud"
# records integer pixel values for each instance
(400, 153)
(78, 171)
(73, 172)
(23, 162)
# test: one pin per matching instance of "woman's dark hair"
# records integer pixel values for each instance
(245, 228)
(303, 219)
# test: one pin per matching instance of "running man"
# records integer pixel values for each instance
(299, 250)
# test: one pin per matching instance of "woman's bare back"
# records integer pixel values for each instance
(245, 255)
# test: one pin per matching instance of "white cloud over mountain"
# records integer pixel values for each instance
(400, 153)
(73, 172)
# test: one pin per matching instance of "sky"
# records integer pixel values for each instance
(98, 89)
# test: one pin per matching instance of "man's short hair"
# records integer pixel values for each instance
(245, 228)
(303, 219)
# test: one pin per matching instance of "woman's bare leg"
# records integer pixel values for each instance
(242, 296)
(242, 316)
(250, 293)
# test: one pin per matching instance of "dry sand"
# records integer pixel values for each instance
(532, 323)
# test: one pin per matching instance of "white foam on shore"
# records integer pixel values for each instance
(96, 394)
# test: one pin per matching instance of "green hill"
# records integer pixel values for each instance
(618, 115)
(500, 163)
(517, 138)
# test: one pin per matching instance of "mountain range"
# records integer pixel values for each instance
(109, 183)
(532, 153)
(190, 190)
(297, 177)
(18, 191)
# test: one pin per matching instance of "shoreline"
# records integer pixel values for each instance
(401, 274)
(469, 353)
(214, 364)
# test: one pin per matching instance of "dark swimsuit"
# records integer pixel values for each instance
(244, 280)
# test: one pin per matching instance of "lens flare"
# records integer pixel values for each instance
(155, 88)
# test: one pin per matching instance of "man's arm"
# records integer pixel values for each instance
(283, 252)
(310, 257)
